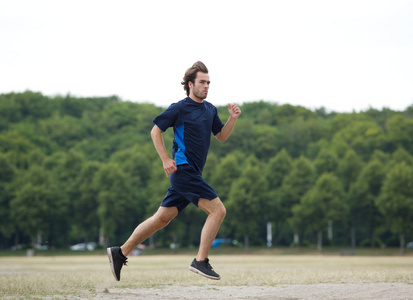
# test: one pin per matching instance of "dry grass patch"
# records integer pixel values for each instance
(87, 275)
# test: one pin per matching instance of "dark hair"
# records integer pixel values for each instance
(190, 74)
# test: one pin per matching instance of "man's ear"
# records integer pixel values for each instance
(190, 84)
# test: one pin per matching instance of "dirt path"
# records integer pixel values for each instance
(362, 291)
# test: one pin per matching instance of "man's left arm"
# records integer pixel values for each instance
(234, 113)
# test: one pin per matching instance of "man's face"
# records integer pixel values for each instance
(200, 88)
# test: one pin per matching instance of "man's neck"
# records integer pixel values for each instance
(196, 99)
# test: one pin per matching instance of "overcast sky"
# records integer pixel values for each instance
(341, 55)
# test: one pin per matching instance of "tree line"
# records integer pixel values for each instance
(84, 169)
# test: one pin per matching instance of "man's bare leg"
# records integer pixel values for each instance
(117, 255)
(216, 213)
(160, 219)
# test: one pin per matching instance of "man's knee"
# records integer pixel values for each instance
(221, 210)
(214, 207)
(164, 215)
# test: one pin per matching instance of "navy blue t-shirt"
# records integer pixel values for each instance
(193, 123)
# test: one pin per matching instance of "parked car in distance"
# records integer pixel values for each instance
(82, 246)
(16, 247)
(36, 246)
(41, 247)
(138, 250)
(220, 242)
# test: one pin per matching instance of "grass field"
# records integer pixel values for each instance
(89, 275)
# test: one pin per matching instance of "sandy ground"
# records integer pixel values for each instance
(365, 291)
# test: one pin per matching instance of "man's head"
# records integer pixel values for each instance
(191, 75)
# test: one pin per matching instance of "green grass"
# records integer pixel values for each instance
(227, 251)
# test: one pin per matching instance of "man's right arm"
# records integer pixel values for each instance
(169, 164)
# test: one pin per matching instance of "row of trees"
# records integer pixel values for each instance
(82, 169)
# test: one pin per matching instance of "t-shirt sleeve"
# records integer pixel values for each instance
(216, 124)
(168, 118)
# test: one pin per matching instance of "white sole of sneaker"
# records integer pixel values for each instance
(203, 274)
(112, 267)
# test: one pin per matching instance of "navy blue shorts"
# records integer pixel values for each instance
(187, 186)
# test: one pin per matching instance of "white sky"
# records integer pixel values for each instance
(342, 55)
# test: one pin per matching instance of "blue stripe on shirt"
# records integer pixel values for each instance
(180, 157)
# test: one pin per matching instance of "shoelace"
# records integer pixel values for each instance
(208, 265)
(125, 261)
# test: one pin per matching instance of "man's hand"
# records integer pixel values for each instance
(234, 113)
(169, 166)
(234, 110)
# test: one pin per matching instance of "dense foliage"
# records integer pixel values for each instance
(85, 169)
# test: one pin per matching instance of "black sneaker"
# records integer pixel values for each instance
(116, 260)
(204, 268)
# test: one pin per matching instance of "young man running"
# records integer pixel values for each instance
(193, 119)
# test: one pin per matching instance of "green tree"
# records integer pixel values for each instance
(265, 141)
(16, 147)
(362, 136)
(60, 136)
(114, 198)
(297, 135)
(381, 156)
(136, 162)
(65, 131)
(156, 190)
(339, 146)
(248, 201)
(288, 113)
(227, 171)
(325, 162)
(260, 112)
(85, 202)
(210, 167)
(400, 155)
(7, 175)
(275, 171)
(278, 167)
(362, 195)
(242, 139)
(348, 170)
(39, 207)
(396, 200)
(400, 131)
(319, 206)
(117, 115)
(27, 105)
(294, 187)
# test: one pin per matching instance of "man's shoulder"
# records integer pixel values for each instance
(179, 103)
(176, 106)
(210, 105)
